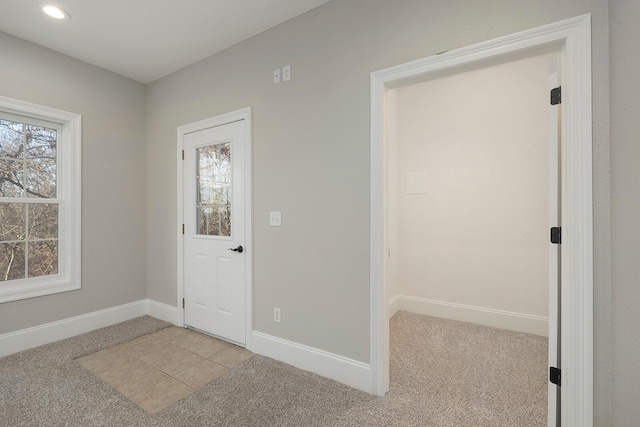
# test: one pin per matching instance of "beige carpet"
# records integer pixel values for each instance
(443, 373)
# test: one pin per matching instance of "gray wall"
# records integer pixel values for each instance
(311, 162)
(113, 177)
(625, 210)
(311, 154)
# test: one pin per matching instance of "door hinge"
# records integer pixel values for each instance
(556, 235)
(556, 95)
(182, 154)
(554, 375)
(182, 302)
(182, 228)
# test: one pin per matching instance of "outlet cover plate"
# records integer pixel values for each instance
(275, 219)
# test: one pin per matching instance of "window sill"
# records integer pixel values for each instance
(31, 288)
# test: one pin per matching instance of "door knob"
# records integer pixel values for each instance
(239, 249)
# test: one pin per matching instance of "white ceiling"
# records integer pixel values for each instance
(146, 39)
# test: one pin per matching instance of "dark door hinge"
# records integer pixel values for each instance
(182, 302)
(182, 228)
(554, 375)
(556, 95)
(556, 235)
(182, 154)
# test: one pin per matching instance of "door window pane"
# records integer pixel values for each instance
(213, 189)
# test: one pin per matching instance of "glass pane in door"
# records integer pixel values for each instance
(213, 188)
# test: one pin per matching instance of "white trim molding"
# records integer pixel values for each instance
(244, 115)
(342, 369)
(68, 198)
(519, 322)
(25, 339)
(66, 328)
(347, 371)
(572, 38)
(165, 312)
(394, 306)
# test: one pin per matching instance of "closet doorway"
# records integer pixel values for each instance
(472, 192)
(572, 38)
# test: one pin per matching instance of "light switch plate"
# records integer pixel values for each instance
(276, 76)
(275, 219)
(286, 73)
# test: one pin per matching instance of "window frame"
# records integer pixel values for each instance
(69, 193)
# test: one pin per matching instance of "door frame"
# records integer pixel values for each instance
(572, 37)
(224, 119)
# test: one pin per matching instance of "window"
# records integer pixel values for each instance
(39, 200)
(213, 190)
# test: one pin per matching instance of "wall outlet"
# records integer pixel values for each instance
(276, 76)
(276, 314)
(275, 219)
(286, 73)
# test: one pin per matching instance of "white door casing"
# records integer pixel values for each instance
(214, 282)
(573, 38)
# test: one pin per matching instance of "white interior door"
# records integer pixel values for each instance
(214, 231)
(554, 249)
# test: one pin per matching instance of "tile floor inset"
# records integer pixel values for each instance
(140, 376)
(187, 339)
(157, 369)
(231, 356)
(161, 395)
(208, 347)
(169, 358)
(201, 373)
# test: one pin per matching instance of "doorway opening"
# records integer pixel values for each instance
(472, 190)
(572, 39)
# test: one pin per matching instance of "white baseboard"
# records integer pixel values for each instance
(24, 339)
(165, 312)
(519, 322)
(394, 305)
(347, 371)
(351, 372)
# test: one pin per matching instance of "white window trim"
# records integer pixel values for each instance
(69, 194)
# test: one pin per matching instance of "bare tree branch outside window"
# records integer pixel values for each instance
(213, 189)
(28, 201)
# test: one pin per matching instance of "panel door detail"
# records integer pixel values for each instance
(214, 218)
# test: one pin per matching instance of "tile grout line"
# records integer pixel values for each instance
(125, 350)
(155, 367)
(168, 341)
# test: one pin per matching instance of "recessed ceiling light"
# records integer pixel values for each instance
(54, 11)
